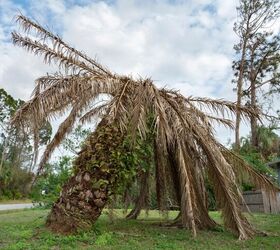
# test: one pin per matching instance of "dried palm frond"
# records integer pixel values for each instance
(52, 98)
(58, 44)
(50, 55)
(160, 176)
(245, 172)
(220, 106)
(98, 111)
(185, 147)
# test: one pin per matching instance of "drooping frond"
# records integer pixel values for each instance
(222, 107)
(187, 199)
(245, 172)
(66, 62)
(225, 122)
(53, 96)
(64, 128)
(96, 112)
(160, 176)
(59, 45)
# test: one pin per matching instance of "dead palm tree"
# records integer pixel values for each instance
(183, 139)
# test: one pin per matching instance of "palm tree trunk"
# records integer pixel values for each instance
(85, 194)
(79, 204)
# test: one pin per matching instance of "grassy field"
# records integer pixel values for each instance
(25, 230)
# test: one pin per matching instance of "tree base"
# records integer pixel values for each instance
(78, 207)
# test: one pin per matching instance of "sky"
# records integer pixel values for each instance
(183, 45)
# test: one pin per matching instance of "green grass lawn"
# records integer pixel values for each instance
(25, 230)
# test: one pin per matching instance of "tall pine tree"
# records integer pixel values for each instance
(257, 54)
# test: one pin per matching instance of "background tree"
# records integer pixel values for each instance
(269, 144)
(13, 177)
(16, 152)
(257, 54)
(263, 70)
(49, 185)
(50, 182)
(268, 150)
(74, 141)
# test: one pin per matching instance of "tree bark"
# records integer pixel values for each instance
(79, 204)
(244, 41)
(85, 194)
(253, 119)
(239, 95)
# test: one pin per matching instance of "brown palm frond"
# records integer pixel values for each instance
(226, 191)
(243, 170)
(205, 118)
(174, 119)
(49, 103)
(64, 128)
(162, 124)
(50, 55)
(46, 102)
(139, 112)
(174, 175)
(225, 108)
(220, 107)
(54, 94)
(98, 111)
(58, 43)
(160, 176)
(195, 169)
(78, 105)
(225, 188)
(223, 121)
(118, 109)
(187, 199)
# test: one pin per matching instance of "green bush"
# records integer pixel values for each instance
(48, 186)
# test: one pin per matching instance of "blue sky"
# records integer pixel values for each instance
(184, 45)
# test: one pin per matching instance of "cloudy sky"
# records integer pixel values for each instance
(185, 45)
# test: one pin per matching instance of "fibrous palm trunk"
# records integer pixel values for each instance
(85, 194)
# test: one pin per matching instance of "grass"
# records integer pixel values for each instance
(25, 229)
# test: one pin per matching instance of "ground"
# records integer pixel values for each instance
(23, 201)
(25, 230)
